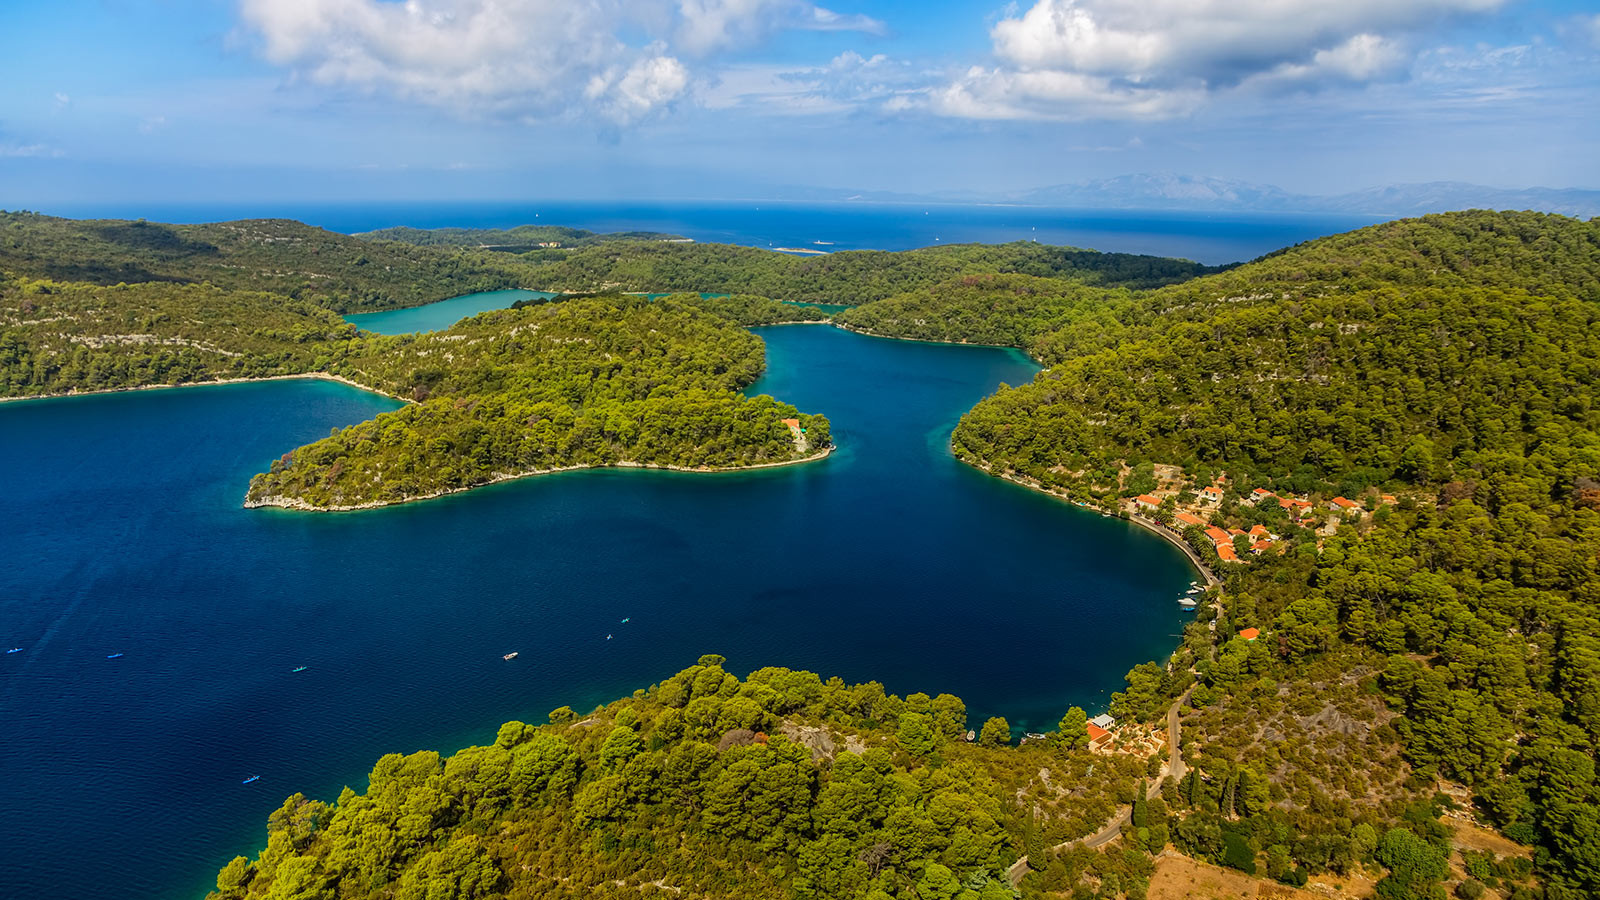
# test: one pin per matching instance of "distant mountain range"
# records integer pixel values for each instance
(1198, 192)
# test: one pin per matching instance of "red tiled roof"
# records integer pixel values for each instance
(1262, 493)
(1225, 552)
(1189, 519)
(792, 423)
(1342, 503)
(1259, 531)
(1218, 535)
(1250, 634)
(1096, 732)
(1146, 498)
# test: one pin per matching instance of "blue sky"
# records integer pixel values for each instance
(137, 100)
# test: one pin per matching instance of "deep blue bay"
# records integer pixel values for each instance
(122, 532)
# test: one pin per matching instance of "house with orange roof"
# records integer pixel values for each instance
(792, 423)
(1187, 519)
(1250, 634)
(1388, 500)
(1146, 501)
(1211, 496)
(1258, 495)
(1261, 546)
(1226, 553)
(1259, 531)
(1345, 504)
(1218, 536)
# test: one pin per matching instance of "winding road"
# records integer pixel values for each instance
(1174, 770)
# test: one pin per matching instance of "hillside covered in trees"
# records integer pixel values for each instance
(1450, 359)
(848, 277)
(340, 272)
(707, 785)
(594, 382)
(58, 337)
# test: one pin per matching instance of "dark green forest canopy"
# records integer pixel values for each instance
(600, 381)
(337, 271)
(590, 382)
(1005, 310)
(778, 785)
(59, 337)
(520, 239)
(1451, 358)
(848, 277)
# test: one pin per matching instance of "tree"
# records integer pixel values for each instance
(916, 736)
(1415, 866)
(1072, 732)
(996, 733)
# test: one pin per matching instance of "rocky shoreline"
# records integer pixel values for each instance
(318, 376)
(299, 505)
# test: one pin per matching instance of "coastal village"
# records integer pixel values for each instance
(1240, 525)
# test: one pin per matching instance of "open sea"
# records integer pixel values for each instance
(157, 622)
(1210, 238)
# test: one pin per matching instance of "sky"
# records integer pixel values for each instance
(145, 100)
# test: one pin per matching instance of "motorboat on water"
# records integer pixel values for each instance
(511, 655)
(1187, 602)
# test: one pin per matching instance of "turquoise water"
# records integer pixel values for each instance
(441, 315)
(123, 534)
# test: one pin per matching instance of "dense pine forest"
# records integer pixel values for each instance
(342, 273)
(594, 382)
(1424, 658)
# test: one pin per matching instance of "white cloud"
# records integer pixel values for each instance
(709, 25)
(1157, 58)
(531, 59)
(27, 151)
(62, 100)
(847, 82)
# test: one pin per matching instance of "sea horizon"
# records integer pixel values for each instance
(1211, 238)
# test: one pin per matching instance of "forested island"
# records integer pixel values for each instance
(1384, 443)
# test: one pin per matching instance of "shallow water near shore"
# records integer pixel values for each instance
(123, 533)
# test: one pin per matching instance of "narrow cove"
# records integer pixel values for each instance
(889, 561)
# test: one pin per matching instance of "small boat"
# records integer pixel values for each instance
(511, 655)
(297, 669)
(250, 779)
(113, 656)
(1194, 590)
(15, 650)
(627, 620)
(608, 637)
